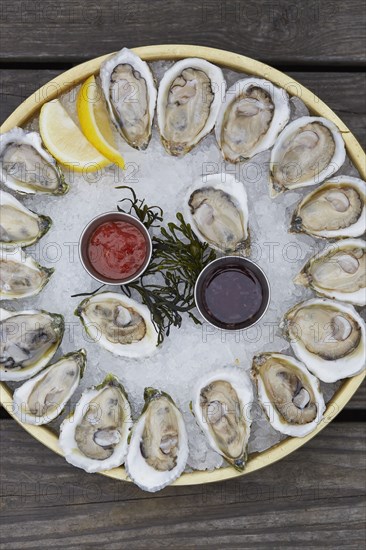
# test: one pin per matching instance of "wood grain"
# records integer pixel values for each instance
(284, 31)
(345, 93)
(314, 498)
(358, 401)
(17, 85)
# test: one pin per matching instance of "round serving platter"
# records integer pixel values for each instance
(239, 63)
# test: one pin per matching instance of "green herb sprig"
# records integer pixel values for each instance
(178, 257)
(150, 216)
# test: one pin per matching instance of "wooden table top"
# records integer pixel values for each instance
(313, 498)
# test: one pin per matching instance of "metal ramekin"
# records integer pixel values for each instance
(88, 231)
(211, 267)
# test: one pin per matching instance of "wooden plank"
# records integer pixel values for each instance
(313, 498)
(17, 85)
(358, 401)
(288, 32)
(343, 92)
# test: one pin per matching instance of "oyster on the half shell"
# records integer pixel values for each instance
(221, 404)
(328, 336)
(289, 395)
(217, 209)
(308, 151)
(94, 437)
(26, 167)
(28, 341)
(252, 114)
(130, 93)
(189, 99)
(20, 275)
(158, 449)
(335, 209)
(119, 324)
(339, 272)
(18, 225)
(43, 397)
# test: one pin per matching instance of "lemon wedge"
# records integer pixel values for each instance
(95, 121)
(66, 142)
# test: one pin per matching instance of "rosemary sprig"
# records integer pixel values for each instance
(178, 257)
(87, 293)
(165, 303)
(148, 215)
(176, 265)
(179, 249)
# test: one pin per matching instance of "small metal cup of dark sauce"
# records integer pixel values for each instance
(232, 293)
(115, 248)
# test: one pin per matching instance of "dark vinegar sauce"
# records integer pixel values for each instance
(232, 295)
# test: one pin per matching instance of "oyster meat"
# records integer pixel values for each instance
(43, 397)
(26, 167)
(289, 395)
(335, 209)
(18, 225)
(95, 436)
(221, 404)
(119, 324)
(218, 212)
(308, 151)
(130, 93)
(158, 449)
(328, 336)
(189, 99)
(20, 275)
(28, 341)
(251, 116)
(338, 272)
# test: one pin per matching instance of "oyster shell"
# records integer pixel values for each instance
(95, 436)
(308, 151)
(20, 275)
(338, 272)
(26, 167)
(289, 395)
(189, 99)
(18, 225)
(328, 336)
(28, 341)
(252, 114)
(119, 324)
(130, 93)
(335, 209)
(158, 449)
(43, 397)
(218, 212)
(221, 404)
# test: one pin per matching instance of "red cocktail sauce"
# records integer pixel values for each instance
(117, 249)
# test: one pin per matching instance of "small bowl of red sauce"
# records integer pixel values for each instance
(232, 293)
(115, 248)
